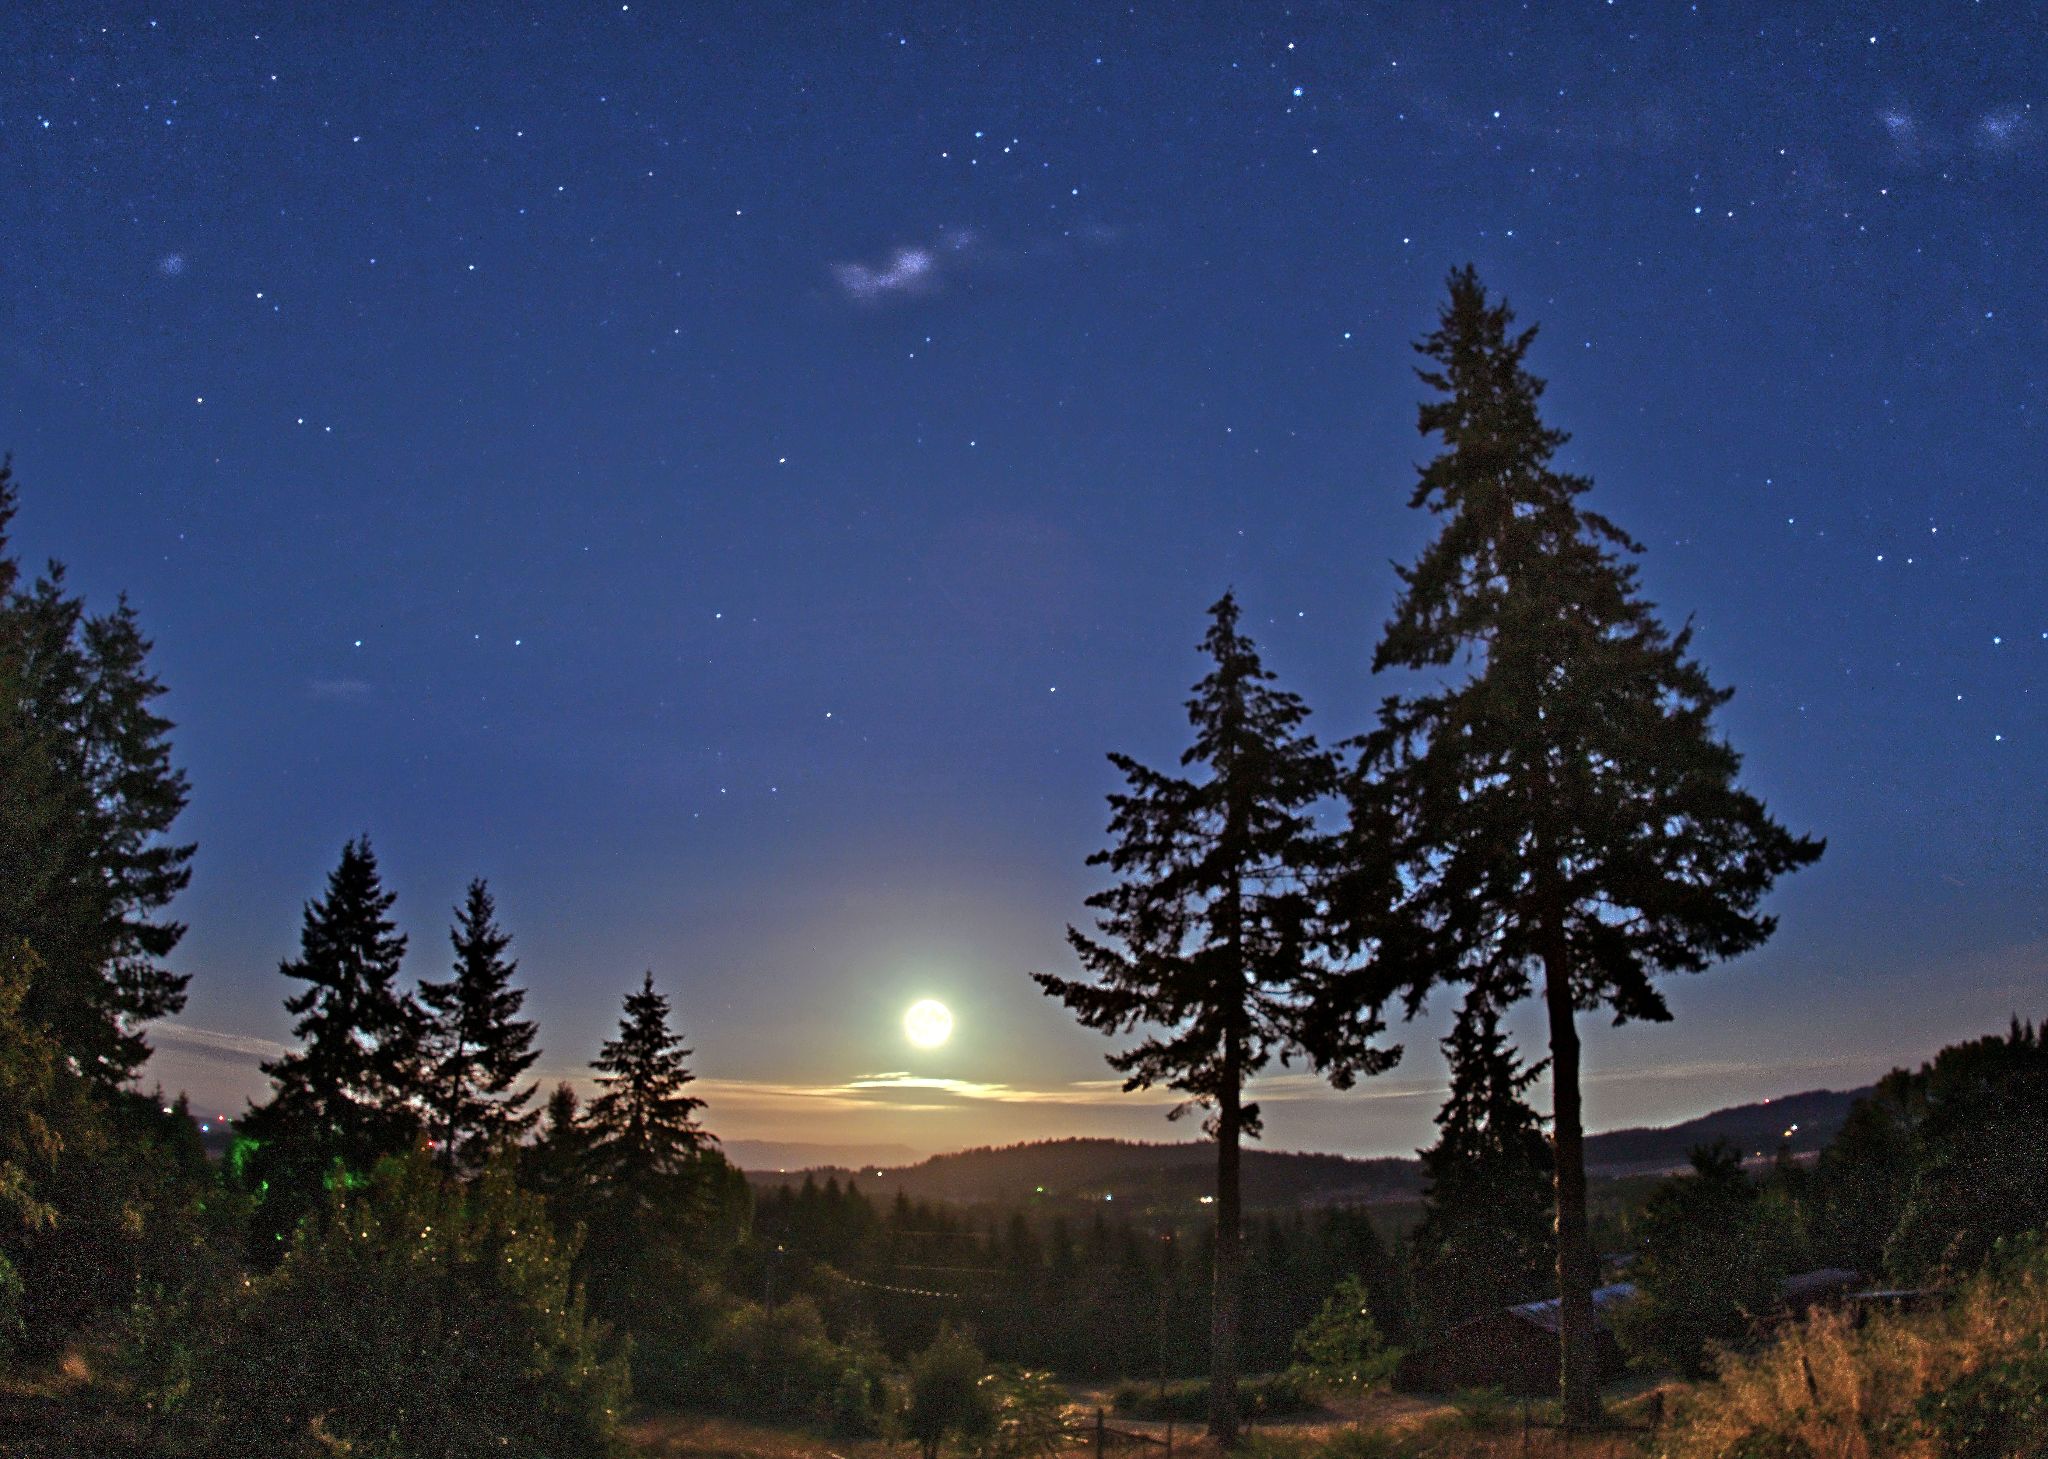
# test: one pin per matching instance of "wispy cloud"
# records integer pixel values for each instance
(1721, 1069)
(2002, 129)
(339, 688)
(212, 1043)
(926, 266)
(899, 1090)
(911, 270)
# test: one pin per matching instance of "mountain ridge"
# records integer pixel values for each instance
(1140, 1172)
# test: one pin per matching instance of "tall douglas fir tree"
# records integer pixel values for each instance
(1208, 934)
(88, 795)
(477, 1045)
(1548, 811)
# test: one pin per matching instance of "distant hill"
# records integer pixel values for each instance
(1803, 1122)
(779, 1155)
(1144, 1174)
(1130, 1172)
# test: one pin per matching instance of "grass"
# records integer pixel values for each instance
(693, 1436)
(1377, 1425)
(1271, 1396)
(1966, 1382)
(70, 1407)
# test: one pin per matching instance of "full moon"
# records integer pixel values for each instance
(928, 1023)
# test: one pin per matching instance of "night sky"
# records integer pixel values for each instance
(728, 473)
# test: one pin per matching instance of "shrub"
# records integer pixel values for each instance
(1998, 1412)
(1484, 1410)
(1278, 1395)
(1712, 1252)
(780, 1362)
(1341, 1347)
(947, 1396)
(1970, 1381)
(414, 1318)
(1028, 1415)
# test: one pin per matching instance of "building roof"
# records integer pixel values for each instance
(1821, 1279)
(1544, 1314)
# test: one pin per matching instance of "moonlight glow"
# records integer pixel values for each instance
(928, 1023)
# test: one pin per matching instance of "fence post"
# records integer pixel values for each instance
(1098, 1434)
(1169, 1436)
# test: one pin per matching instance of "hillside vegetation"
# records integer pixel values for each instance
(1160, 1172)
(1969, 1381)
(1132, 1171)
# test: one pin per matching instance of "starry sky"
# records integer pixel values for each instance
(727, 473)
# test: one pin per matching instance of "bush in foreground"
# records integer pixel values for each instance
(1968, 1382)
(1341, 1347)
(417, 1318)
(1278, 1395)
(759, 1362)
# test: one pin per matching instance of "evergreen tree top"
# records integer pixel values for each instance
(347, 940)
(644, 1123)
(1572, 767)
(1486, 1110)
(1207, 934)
(478, 1046)
(90, 770)
(1514, 537)
(349, 1091)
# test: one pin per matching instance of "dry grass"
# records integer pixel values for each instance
(689, 1436)
(69, 1408)
(1830, 1389)
(1372, 1426)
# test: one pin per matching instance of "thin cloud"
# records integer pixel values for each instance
(212, 1043)
(2003, 129)
(340, 688)
(909, 271)
(917, 269)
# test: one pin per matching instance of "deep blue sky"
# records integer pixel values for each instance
(727, 474)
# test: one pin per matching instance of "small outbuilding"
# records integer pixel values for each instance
(1514, 1350)
(1827, 1286)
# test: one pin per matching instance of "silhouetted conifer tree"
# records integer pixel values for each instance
(1207, 934)
(556, 1163)
(644, 1127)
(477, 1045)
(1485, 1238)
(87, 797)
(349, 1092)
(1561, 819)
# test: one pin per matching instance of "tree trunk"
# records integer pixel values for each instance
(1578, 1360)
(1229, 1258)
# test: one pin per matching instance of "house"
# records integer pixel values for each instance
(1514, 1350)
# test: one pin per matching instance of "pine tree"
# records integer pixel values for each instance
(644, 1127)
(1561, 820)
(477, 1046)
(1208, 935)
(556, 1163)
(1484, 1241)
(349, 1092)
(89, 798)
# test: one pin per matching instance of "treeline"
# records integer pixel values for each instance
(395, 1251)
(1101, 1297)
(1931, 1172)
